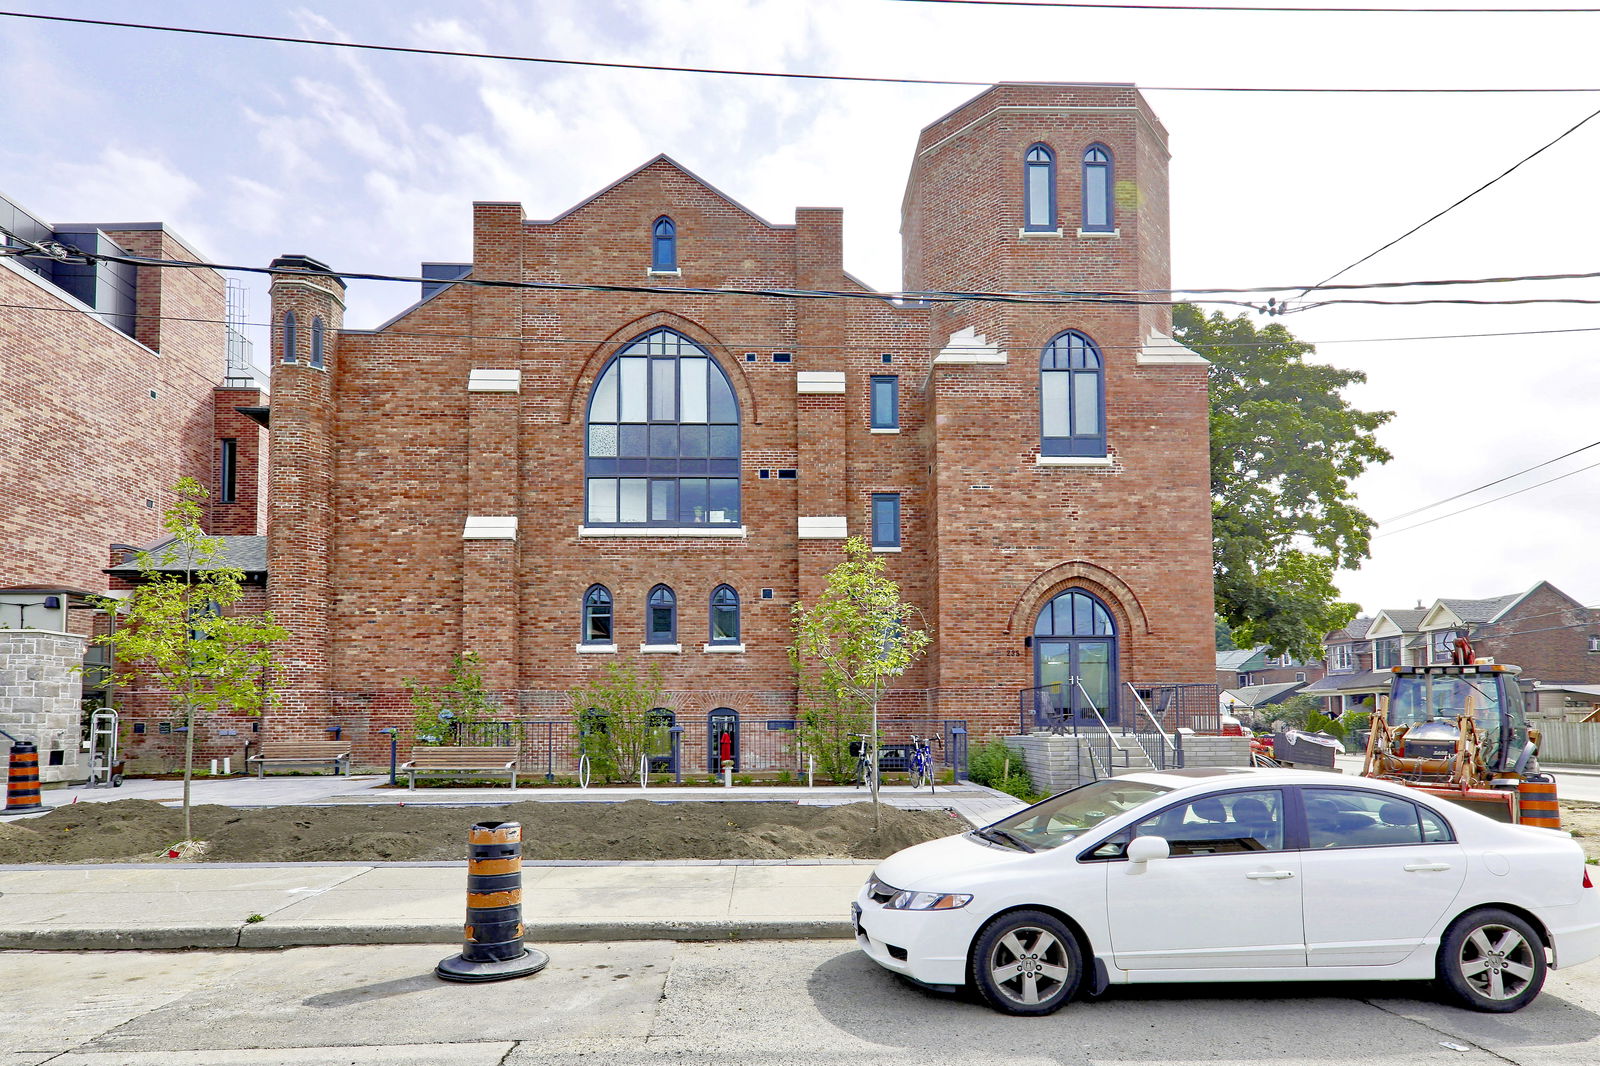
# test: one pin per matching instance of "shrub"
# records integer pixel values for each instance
(995, 764)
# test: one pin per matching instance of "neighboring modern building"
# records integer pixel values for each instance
(559, 479)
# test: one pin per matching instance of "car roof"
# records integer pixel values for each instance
(1216, 778)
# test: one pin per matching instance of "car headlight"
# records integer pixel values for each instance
(928, 901)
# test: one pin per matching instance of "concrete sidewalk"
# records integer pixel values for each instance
(274, 905)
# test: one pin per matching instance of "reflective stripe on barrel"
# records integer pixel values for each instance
(1538, 802)
(494, 893)
(22, 782)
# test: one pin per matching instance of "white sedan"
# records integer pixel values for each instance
(1233, 875)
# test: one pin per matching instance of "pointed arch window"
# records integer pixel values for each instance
(290, 343)
(597, 616)
(1097, 216)
(724, 615)
(1039, 189)
(661, 616)
(316, 341)
(662, 438)
(1072, 397)
(664, 245)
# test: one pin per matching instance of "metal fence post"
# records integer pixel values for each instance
(676, 732)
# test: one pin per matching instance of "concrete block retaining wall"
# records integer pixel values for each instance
(40, 699)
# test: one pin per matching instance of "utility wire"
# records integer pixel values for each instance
(1264, 7)
(1485, 503)
(736, 72)
(1489, 484)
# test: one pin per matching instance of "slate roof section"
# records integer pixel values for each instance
(1254, 696)
(1472, 611)
(1408, 621)
(1371, 681)
(247, 553)
(1234, 660)
(1355, 629)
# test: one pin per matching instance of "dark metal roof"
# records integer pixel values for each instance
(246, 553)
(1370, 681)
(261, 416)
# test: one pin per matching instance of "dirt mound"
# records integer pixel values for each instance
(136, 830)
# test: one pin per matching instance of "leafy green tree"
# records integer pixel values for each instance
(462, 700)
(616, 724)
(849, 646)
(177, 629)
(1285, 446)
(1225, 641)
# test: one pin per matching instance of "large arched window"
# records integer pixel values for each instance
(661, 617)
(663, 438)
(290, 343)
(1075, 657)
(1071, 397)
(724, 615)
(1097, 190)
(1039, 189)
(664, 245)
(316, 341)
(597, 616)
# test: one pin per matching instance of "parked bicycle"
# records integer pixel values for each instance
(919, 761)
(863, 752)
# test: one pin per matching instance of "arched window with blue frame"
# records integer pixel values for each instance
(663, 438)
(1072, 400)
(1039, 189)
(664, 245)
(661, 616)
(316, 341)
(724, 615)
(1097, 215)
(290, 342)
(597, 616)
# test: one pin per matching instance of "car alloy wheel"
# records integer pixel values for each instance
(1026, 962)
(1493, 961)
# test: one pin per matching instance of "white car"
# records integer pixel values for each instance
(1233, 875)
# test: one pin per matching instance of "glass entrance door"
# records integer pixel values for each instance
(1091, 663)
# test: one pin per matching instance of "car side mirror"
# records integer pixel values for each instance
(1143, 849)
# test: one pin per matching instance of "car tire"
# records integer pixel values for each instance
(1026, 962)
(1491, 960)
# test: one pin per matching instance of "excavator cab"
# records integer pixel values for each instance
(1428, 701)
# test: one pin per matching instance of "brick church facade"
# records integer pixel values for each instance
(556, 478)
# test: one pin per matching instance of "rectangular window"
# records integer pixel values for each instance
(1385, 653)
(885, 401)
(1039, 198)
(886, 520)
(229, 472)
(1096, 198)
(1339, 657)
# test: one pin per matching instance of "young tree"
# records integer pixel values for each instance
(177, 629)
(616, 728)
(854, 641)
(1284, 449)
(459, 701)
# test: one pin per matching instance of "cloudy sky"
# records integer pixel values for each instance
(370, 161)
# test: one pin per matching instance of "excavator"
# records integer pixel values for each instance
(1459, 732)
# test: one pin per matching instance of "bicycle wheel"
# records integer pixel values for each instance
(583, 771)
(918, 772)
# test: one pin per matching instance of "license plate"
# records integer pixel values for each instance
(855, 918)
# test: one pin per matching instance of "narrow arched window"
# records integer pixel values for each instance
(1039, 189)
(661, 616)
(664, 245)
(724, 615)
(597, 616)
(316, 341)
(1097, 190)
(663, 438)
(1071, 397)
(290, 345)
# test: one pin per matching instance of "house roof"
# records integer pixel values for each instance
(1408, 621)
(1262, 695)
(1470, 611)
(1237, 659)
(1371, 681)
(1355, 629)
(246, 553)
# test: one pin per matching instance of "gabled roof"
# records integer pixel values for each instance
(1355, 629)
(1399, 621)
(1262, 695)
(661, 157)
(1468, 612)
(1370, 681)
(1240, 660)
(246, 553)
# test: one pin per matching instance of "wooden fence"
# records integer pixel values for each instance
(1574, 742)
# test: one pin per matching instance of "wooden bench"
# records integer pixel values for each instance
(432, 760)
(302, 753)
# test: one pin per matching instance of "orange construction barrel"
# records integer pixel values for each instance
(1537, 797)
(493, 949)
(22, 784)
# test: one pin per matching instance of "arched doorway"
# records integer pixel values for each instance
(1075, 655)
(722, 738)
(659, 741)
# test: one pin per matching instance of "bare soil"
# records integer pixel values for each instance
(1582, 820)
(143, 831)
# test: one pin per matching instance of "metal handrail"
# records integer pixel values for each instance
(1090, 701)
(1151, 715)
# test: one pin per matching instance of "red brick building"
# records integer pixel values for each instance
(557, 477)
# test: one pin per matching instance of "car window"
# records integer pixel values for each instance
(1052, 822)
(1346, 818)
(1210, 825)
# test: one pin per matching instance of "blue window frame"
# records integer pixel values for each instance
(661, 616)
(316, 341)
(662, 440)
(228, 473)
(885, 401)
(1039, 189)
(1071, 397)
(663, 245)
(597, 616)
(1097, 214)
(724, 615)
(290, 342)
(886, 520)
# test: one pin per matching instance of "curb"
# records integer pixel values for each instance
(268, 935)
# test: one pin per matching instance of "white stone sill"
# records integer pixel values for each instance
(1100, 232)
(304, 365)
(660, 649)
(1072, 460)
(885, 548)
(1026, 233)
(597, 649)
(885, 432)
(664, 273)
(725, 649)
(661, 531)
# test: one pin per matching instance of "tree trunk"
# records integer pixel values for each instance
(877, 816)
(188, 761)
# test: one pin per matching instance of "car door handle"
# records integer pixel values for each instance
(1427, 867)
(1269, 875)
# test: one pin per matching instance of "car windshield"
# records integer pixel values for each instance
(1053, 822)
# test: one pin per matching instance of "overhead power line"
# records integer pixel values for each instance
(1485, 503)
(1490, 484)
(1273, 8)
(745, 73)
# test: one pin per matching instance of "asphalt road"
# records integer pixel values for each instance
(819, 1003)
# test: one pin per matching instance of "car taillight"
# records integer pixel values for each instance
(1586, 882)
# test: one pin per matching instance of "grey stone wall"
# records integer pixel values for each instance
(1215, 751)
(40, 693)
